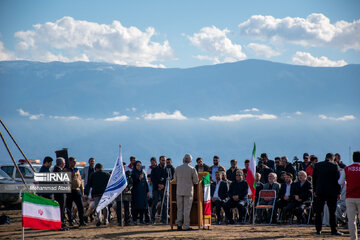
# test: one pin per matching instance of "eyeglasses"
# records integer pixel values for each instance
(238, 174)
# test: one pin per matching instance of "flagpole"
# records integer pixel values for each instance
(121, 197)
(23, 233)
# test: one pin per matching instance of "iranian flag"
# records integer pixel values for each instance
(207, 195)
(40, 213)
(250, 175)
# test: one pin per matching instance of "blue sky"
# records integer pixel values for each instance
(182, 33)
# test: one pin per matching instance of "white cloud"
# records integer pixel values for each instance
(177, 115)
(115, 113)
(133, 109)
(30, 116)
(314, 30)
(304, 58)
(298, 113)
(65, 118)
(252, 110)
(216, 42)
(239, 117)
(262, 49)
(343, 118)
(122, 118)
(69, 40)
(5, 55)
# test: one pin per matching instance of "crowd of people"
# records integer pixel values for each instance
(302, 189)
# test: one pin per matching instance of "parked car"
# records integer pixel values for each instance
(8, 198)
(25, 170)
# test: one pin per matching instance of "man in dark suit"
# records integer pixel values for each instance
(219, 195)
(301, 192)
(326, 189)
(284, 195)
(238, 194)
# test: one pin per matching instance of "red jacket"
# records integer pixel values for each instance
(352, 176)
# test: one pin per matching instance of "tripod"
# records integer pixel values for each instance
(166, 194)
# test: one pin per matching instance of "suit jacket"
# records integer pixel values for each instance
(185, 176)
(222, 192)
(304, 192)
(239, 188)
(282, 190)
(325, 179)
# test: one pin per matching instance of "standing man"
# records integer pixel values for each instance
(77, 192)
(98, 182)
(352, 177)
(247, 164)
(185, 176)
(304, 165)
(338, 161)
(88, 170)
(215, 167)
(125, 196)
(153, 164)
(158, 179)
(60, 197)
(170, 169)
(231, 172)
(201, 166)
(45, 168)
(131, 164)
(326, 189)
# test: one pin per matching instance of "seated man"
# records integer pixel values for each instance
(238, 193)
(301, 193)
(219, 195)
(259, 187)
(284, 193)
(271, 185)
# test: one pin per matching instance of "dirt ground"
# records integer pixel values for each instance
(112, 231)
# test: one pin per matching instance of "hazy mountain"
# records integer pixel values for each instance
(93, 91)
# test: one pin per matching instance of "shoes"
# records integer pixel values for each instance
(106, 223)
(217, 222)
(82, 224)
(98, 224)
(188, 229)
(135, 222)
(231, 221)
(119, 224)
(143, 223)
(318, 232)
(337, 233)
(179, 228)
(71, 224)
(63, 229)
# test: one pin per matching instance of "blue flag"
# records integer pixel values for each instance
(117, 183)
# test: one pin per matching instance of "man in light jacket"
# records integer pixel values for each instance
(185, 176)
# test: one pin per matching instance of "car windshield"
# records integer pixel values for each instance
(37, 168)
(3, 175)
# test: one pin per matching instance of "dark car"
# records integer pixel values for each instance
(8, 199)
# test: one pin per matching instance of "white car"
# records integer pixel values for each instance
(25, 170)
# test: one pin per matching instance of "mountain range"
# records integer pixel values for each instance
(220, 109)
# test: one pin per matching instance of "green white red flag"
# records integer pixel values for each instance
(40, 213)
(250, 175)
(207, 195)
